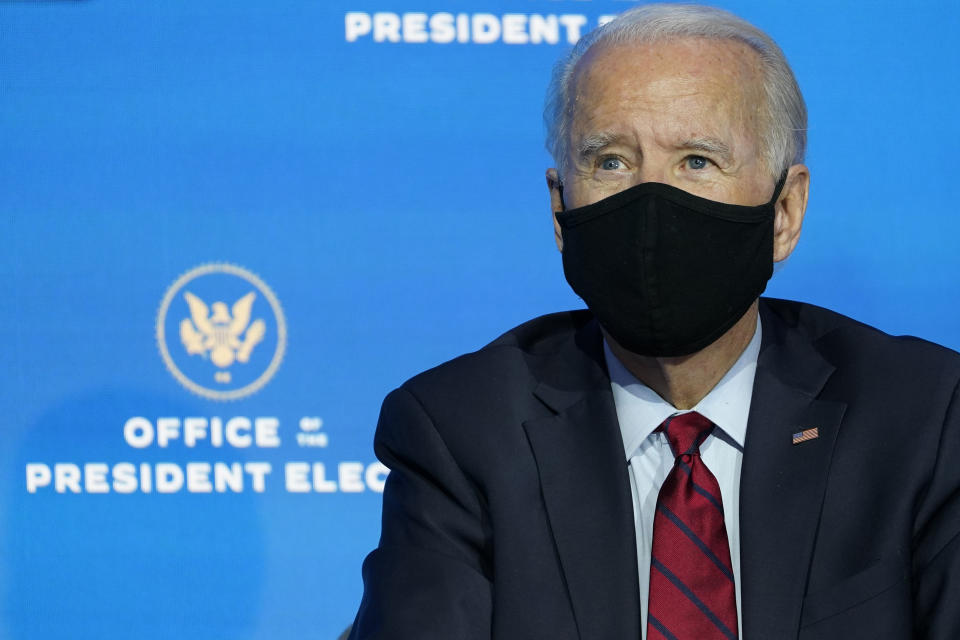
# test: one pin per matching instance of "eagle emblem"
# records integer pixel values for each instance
(226, 336)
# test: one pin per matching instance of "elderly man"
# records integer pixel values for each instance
(685, 459)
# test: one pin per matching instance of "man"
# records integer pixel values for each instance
(685, 460)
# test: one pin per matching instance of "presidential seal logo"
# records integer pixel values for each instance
(221, 331)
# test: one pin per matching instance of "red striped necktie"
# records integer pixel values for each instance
(692, 593)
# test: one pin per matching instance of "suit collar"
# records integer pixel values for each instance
(575, 368)
(782, 484)
(788, 354)
(579, 457)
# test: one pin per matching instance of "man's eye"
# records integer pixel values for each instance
(697, 162)
(610, 164)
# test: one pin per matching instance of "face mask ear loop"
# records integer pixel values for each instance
(563, 205)
(776, 190)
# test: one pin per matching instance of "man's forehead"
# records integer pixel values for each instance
(702, 86)
(672, 59)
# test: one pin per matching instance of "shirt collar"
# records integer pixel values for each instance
(640, 410)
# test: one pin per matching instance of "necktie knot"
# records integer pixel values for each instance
(686, 432)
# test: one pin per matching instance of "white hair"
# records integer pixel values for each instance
(783, 138)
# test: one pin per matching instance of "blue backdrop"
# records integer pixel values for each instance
(348, 195)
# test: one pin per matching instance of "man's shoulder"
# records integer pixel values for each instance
(543, 334)
(507, 361)
(846, 341)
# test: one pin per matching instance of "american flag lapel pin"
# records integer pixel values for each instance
(806, 434)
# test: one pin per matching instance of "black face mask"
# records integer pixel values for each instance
(667, 272)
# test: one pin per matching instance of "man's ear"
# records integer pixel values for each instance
(789, 212)
(556, 203)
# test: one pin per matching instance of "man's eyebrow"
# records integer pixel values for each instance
(707, 145)
(593, 143)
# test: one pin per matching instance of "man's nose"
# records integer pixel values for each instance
(651, 172)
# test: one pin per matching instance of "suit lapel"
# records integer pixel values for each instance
(782, 484)
(583, 476)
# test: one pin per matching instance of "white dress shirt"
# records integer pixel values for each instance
(640, 411)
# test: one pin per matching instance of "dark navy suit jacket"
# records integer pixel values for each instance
(508, 513)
